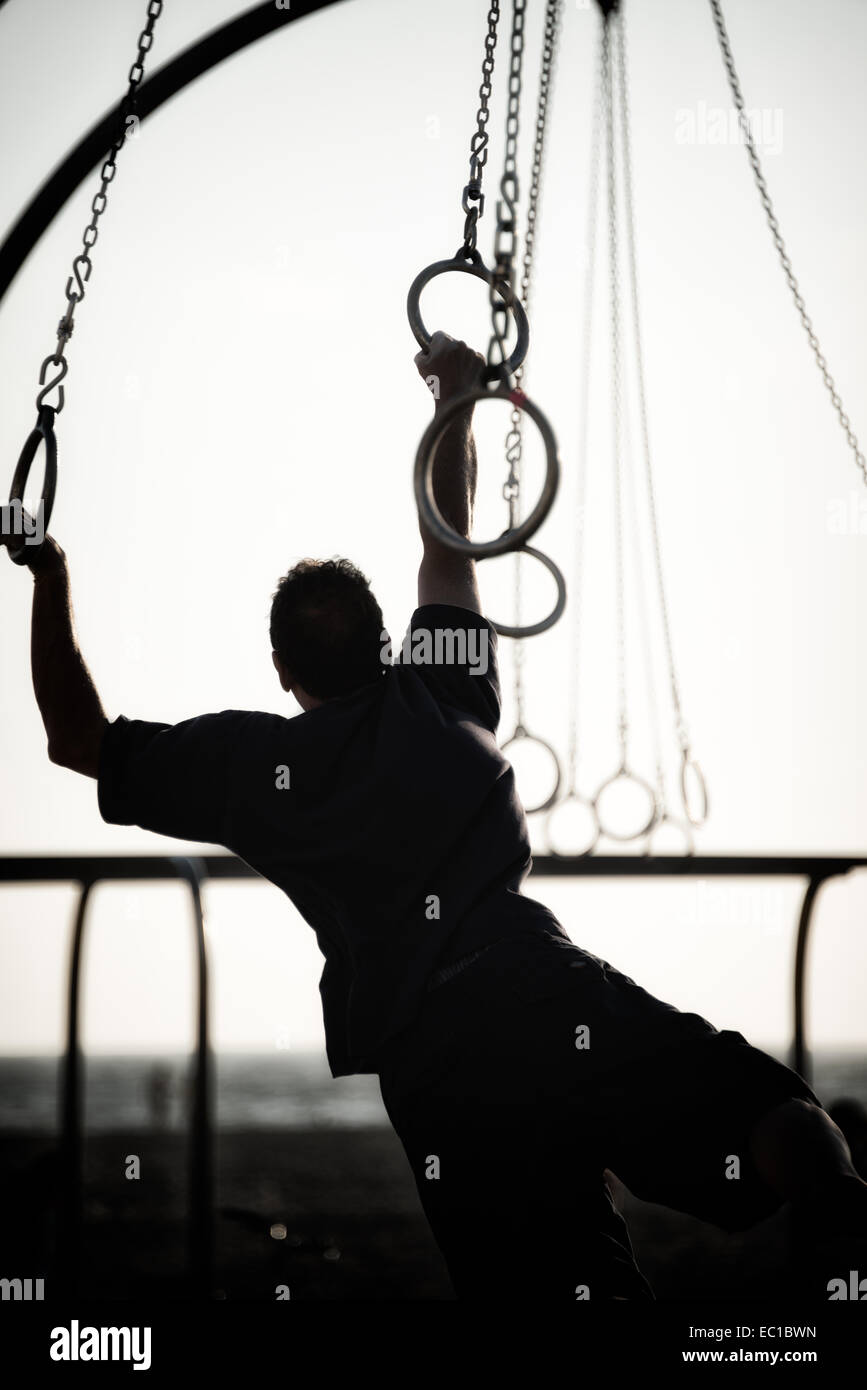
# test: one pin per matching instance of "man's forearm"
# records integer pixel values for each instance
(454, 474)
(65, 693)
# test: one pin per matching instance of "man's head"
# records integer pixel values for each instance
(326, 631)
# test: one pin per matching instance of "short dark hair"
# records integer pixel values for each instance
(327, 627)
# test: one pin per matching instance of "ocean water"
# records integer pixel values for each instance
(268, 1091)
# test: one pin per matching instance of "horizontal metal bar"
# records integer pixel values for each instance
(89, 868)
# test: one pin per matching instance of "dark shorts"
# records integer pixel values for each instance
(527, 1075)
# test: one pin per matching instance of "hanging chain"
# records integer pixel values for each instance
(505, 241)
(514, 439)
(737, 96)
(680, 723)
(473, 201)
(572, 746)
(82, 265)
(505, 257)
(614, 295)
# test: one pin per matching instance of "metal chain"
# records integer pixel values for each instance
(473, 201)
(737, 96)
(680, 723)
(505, 241)
(577, 597)
(614, 296)
(514, 438)
(82, 265)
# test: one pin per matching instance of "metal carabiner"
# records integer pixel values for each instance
(55, 381)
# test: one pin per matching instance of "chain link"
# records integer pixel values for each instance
(737, 96)
(514, 438)
(505, 252)
(505, 241)
(473, 201)
(82, 264)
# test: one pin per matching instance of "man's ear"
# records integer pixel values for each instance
(285, 679)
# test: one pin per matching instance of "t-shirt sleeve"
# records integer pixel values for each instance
(172, 779)
(454, 651)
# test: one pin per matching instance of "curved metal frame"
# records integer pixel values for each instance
(70, 1217)
(165, 83)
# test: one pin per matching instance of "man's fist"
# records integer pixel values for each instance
(449, 367)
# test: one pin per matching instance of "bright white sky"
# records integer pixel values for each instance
(242, 393)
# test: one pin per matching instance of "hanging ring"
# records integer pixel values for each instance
(522, 734)
(533, 629)
(42, 432)
(576, 799)
(471, 263)
(690, 768)
(623, 774)
(683, 826)
(429, 512)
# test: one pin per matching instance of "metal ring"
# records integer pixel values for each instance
(523, 734)
(624, 775)
(684, 828)
(42, 432)
(533, 629)
(429, 512)
(582, 801)
(471, 264)
(689, 764)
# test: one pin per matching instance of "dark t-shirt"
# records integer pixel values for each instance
(389, 817)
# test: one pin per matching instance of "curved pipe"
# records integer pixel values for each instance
(190, 871)
(170, 79)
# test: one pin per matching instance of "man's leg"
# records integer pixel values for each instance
(516, 1207)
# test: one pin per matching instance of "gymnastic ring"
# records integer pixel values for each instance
(624, 775)
(582, 801)
(470, 263)
(42, 432)
(533, 629)
(524, 734)
(689, 764)
(428, 510)
(683, 826)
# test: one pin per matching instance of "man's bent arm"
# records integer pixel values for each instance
(65, 693)
(446, 576)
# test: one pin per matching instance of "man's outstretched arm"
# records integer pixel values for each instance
(445, 576)
(65, 693)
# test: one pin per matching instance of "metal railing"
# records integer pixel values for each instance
(194, 871)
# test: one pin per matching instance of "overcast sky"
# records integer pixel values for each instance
(242, 392)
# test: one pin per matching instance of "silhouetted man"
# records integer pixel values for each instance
(515, 1067)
